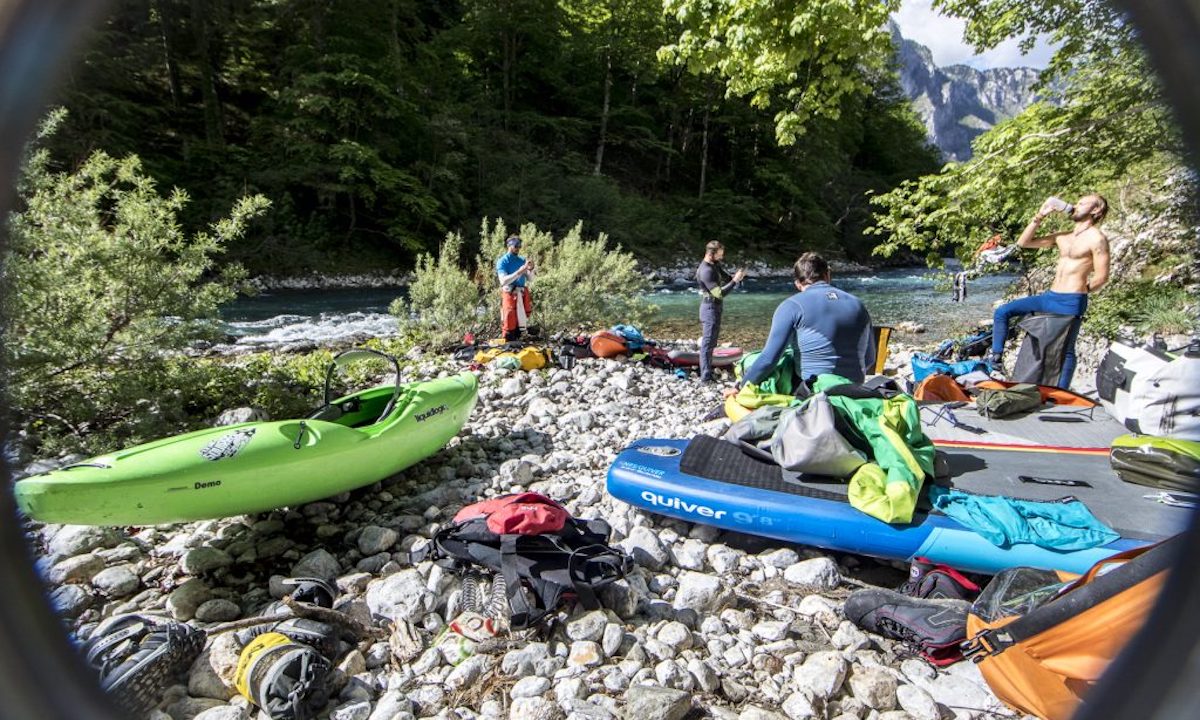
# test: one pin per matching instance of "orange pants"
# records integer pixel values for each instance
(515, 308)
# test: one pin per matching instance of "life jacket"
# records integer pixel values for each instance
(535, 544)
(1043, 657)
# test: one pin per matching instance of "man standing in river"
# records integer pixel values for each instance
(714, 284)
(1082, 252)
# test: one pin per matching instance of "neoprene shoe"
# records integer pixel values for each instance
(139, 656)
(934, 628)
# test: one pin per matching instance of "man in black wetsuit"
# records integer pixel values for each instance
(714, 283)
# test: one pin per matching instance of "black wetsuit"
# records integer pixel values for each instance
(714, 283)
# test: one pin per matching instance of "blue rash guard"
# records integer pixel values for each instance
(509, 264)
(830, 332)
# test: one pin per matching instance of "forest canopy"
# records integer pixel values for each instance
(376, 128)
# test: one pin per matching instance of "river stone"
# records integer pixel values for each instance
(211, 675)
(375, 539)
(468, 672)
(770, 630)
(534, 708)
(621, 598)
(73, 540)
(821, 674)
(400, 596)
(646, 549)
(512, 387)
(189, 707)
(70, 600)
(756, 713)
(585, 653)
(918, 703)
(205, 559)
(647, 702)
(849, 637)
(780, 559)
(699, 592)
(723, 558)
(391, 706)
(800, 705)
(225, 712)
(183, 600)
(237, 416)
(218, 610)
(690, 555)
(530, 687)
(354, 710)
(821, 572)
(569, 690)
(611, 640)
(705, 676)
(80, 568)
(588, 626)
(522, 661)
(875, 687)
(117, 581)
(319, 563)
(676, 636)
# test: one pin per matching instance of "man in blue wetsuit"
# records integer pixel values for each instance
(829, 329)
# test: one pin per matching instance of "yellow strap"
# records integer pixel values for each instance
(257, 646)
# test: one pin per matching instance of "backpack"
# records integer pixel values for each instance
(1002, 403)
(535, 544)
(1042, 643)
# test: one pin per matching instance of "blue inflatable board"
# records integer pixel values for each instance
(714, 482)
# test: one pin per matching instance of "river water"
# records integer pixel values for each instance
(892, 296)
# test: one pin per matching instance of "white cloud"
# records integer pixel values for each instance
(943, 36)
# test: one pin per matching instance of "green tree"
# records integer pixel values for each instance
(1104, 121)
(101, 279)
(809, 53)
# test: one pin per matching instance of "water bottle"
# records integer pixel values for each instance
(1061, 205)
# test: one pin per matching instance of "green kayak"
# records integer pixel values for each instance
(350, 442)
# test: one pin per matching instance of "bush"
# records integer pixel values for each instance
(577, 283)
(101, 279)
(443, 300)
(1144, 306)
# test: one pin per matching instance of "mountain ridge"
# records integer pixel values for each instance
(957, 103)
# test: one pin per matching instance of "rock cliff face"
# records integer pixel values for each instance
(957, 102)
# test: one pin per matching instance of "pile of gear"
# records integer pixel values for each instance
(1041, 638)
(537, 559)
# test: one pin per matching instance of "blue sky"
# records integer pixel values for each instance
(943, 36)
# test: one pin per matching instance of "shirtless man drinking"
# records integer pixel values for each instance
(1082, 252)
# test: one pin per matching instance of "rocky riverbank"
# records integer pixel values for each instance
(710, 624)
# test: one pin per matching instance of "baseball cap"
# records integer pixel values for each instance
(513, 241)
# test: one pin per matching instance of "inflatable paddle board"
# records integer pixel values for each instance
(712, 482)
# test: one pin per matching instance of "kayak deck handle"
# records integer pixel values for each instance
(300, 436)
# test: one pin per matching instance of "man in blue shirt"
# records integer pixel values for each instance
(514, 272)
(829, 329)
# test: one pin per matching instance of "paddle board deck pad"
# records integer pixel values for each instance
(253, 467)
(713, 482)
(722, 357)
(1053, 428)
